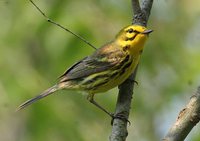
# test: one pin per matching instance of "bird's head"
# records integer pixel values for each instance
(132, 37)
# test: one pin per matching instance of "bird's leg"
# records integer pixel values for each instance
(113, 116)
(91, 99)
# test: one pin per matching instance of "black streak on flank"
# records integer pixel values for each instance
(125, 48)
(125, 67)
(123, 62)
(96, 78)
(105, 81)
(97, 85)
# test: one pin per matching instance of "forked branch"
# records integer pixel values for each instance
(141, 14)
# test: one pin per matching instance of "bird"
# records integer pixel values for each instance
(108, 67)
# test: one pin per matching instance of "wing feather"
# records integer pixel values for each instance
(100, 61)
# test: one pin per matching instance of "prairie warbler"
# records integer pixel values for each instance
(105, 69)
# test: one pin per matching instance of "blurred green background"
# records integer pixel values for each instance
(33, 53)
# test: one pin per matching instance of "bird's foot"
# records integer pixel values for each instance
(120, 116)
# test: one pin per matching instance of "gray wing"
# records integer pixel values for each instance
(90, 65)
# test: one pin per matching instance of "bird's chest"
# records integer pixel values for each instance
(127, 69)
(117, 75)
(123, 72)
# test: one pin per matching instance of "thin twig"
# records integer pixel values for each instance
(52, 22)
(187, 119)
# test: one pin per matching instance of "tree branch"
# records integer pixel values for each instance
(187, 119)
(141, 15)
(146, 8)
(136, 7)
(119, 129)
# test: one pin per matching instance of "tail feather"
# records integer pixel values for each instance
(42, 95)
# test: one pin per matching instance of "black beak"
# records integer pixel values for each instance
(147, 31)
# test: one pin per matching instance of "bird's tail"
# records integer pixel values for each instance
(42, 95)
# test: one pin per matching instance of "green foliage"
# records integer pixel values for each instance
(34, 53)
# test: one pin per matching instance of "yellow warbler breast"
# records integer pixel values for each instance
(123, 74)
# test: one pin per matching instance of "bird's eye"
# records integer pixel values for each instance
(130, 30)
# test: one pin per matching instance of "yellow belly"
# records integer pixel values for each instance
(113, 82)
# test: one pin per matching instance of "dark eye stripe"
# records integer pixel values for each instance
(132, 30)
(137, 32)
